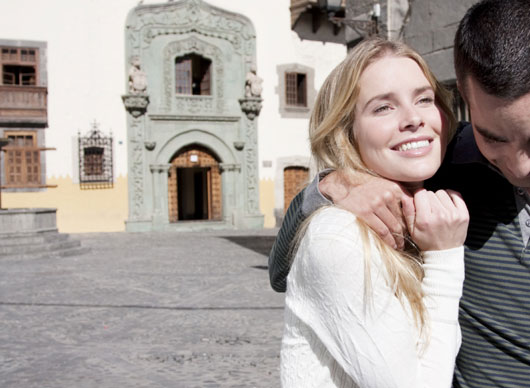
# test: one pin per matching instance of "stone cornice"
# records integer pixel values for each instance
(170, 117)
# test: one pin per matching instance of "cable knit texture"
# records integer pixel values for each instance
(331, 339)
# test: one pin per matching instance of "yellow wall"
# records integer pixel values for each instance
(78, 211)
(266, 201)
(102, 210)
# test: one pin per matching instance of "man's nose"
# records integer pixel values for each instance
(519, 163)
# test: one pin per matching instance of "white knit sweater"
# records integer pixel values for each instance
(332, 339)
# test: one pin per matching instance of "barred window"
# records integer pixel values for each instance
(22, 160)
(295, 89)
(192, 75)
(95, 160)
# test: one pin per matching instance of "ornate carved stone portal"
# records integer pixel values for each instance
(192, 102)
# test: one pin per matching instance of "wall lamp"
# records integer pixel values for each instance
(364, 27)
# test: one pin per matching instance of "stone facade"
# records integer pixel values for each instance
(430, 29)
(162, 124)
(428, 26)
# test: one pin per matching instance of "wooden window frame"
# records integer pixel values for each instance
(20, 56)
(29, 159)
(193, 75)
(295, 89)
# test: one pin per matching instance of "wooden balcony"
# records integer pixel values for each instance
(23, 105)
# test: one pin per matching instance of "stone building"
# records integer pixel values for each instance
(23, 114)
(167, 115)
(192, 128)
(427, 26)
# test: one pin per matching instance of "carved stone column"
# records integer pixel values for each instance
(228, 173)
(251, 106)
(136, 106)
(160, 194)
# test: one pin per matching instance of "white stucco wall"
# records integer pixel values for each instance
(86, 70)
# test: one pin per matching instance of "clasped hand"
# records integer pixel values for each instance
(434, 220)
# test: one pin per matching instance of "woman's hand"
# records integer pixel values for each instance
(436, 221)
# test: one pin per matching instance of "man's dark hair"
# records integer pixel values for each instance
(492, 45)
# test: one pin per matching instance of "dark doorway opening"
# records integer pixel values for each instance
(193, 193)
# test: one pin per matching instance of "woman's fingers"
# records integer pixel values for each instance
(409, 212)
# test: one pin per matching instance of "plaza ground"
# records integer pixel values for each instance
(143, 310)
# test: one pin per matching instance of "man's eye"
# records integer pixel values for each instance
(491, 140)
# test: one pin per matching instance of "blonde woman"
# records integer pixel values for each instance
(359, 313)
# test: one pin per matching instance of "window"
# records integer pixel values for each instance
(22, 160)
(95, 160)
(192, 75)
(19, 66)
(295, 89)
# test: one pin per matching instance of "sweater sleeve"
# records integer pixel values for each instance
(280, 258)
(375, 343)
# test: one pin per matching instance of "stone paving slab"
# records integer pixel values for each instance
(143, 310)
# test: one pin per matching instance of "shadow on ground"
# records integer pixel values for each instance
(259, 244)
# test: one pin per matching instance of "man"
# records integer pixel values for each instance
(489, 163)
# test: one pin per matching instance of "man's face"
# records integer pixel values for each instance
(502, 131)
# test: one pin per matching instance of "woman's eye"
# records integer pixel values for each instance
(381, 109)
(426, 100)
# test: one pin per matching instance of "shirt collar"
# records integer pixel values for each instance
(466, 150)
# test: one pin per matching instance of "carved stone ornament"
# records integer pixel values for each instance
(251, 106)
(136, 104)
(229, 167)
(184, 17)
(150, 145)
(239, 145)
(193, 104)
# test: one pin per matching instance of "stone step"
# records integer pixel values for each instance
(9, 239)
(76, 251)
(47, 246)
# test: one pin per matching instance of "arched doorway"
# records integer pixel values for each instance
(294, 180)
(194, 186)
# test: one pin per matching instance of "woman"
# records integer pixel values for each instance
(359, 313)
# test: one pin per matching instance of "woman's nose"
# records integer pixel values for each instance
(410, 120)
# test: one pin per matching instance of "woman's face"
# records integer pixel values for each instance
(400, 131)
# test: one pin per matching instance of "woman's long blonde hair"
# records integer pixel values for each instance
(333, 145)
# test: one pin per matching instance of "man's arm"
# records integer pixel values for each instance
(280, 257)
(377, 201)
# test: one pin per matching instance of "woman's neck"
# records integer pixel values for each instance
(412, 186)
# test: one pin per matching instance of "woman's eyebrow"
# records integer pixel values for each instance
(384, 96)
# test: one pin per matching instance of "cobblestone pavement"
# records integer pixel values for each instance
(143, 310)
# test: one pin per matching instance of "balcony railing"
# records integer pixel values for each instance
(23, 104)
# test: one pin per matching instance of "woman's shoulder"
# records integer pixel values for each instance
(333, 220)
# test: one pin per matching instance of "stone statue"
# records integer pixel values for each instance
(137, 78)
(253, 83)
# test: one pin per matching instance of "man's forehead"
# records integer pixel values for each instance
(497, 116)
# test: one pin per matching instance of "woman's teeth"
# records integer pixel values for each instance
(413, 145)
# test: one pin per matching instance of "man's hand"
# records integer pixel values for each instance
(374, 200)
